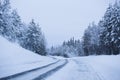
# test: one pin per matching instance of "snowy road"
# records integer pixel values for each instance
(38, 73)
(71, 69)
(75, 70)
(64, 69)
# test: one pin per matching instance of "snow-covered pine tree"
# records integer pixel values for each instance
(111, 32)
(4, 17)
(86, 42)
(17, 26)
(94, 31)
(91, 40)
(34, 39)
(102, 34)
(79, 48)
(115, 33)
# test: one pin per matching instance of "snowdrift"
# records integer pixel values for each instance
(14, 59)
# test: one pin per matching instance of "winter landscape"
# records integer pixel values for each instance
(44, 40)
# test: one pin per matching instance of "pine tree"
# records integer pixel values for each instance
(17, 24)
(91, 39)
(86, 42)
(111, 32)
(4, 17)
(34, 39)
(102, 46)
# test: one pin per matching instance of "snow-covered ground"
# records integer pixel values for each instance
(90, 68)
(75, 70)
(14, 59)
(107, 67)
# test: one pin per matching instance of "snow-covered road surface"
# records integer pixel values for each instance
(75, 70)
(39, 73)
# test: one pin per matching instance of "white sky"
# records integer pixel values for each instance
(61, 19)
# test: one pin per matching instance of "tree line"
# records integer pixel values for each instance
(104, 38)
(28, 36)
(98, 39)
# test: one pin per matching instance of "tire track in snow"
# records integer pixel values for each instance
(47, 74)
(88, 69)
(38, 73)
(28, 71)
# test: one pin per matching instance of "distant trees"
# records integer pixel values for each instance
(28, 36)
(91, 40)
(75, 47)
(86, 42)
(57, 51)
(70, 48)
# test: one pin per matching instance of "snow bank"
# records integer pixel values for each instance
(14, 59)
(106, 66)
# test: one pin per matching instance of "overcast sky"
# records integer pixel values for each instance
(61, 19)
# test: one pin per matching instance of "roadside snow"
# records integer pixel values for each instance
(14, 59)
(90, 68)
(108, 67)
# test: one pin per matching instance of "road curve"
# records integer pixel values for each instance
(37, 73)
